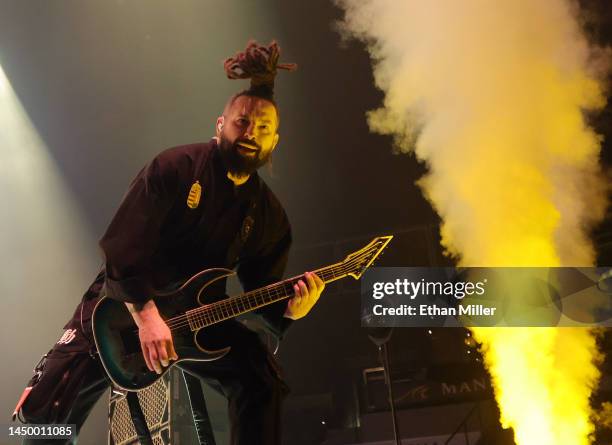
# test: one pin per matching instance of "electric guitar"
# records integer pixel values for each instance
(193, 318)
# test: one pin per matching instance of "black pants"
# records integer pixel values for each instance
(248, 376)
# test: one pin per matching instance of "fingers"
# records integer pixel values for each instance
(304, 293)
(162, 353)
(312, 288)
(310, 280)
(145, 354)
(307, 292)
(298, 288)
(315, 284)
(165, 353)
(296, 298)
(158, 355)
(171, 352)
(301, 294)
(154, 358)
(156, 344)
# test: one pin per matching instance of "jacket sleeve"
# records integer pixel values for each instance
(133, 235)
(266, 268)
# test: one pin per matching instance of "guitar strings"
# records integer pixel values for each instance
(206, 315)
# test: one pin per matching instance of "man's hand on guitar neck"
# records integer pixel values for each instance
(155, 336)
(306, 296)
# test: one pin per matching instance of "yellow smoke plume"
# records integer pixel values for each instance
(492, 96)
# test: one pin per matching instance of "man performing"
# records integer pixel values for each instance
(191, 208)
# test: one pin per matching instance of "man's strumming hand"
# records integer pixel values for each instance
(155, 336)
(306, 296)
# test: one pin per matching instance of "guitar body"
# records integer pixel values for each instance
(116, 334)
(196, 317)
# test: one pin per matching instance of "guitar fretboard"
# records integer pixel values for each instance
(210, 314)
(232, 307)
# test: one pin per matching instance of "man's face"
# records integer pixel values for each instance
(247, 134)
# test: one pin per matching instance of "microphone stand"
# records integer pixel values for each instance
(380, 337)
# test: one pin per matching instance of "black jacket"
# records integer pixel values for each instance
(156, 240)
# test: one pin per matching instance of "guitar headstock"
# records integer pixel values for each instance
(357, 262)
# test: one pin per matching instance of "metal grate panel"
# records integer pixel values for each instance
(155, 405)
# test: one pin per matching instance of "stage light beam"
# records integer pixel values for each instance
(47, 253)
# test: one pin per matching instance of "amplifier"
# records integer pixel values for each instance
(166, 409)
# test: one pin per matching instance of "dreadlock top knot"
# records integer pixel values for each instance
(258, 63)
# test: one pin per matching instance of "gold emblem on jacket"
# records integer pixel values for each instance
(195, 192)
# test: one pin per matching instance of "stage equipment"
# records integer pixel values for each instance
(380, 337)
(165, 408)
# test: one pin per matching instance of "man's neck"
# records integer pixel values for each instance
(237, 179)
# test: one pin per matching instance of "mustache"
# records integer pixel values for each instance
(247, 142)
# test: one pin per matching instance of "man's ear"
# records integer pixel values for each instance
(276, 137)
(219, 126)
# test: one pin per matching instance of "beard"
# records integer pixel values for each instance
(237, 163)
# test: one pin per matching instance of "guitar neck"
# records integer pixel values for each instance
(255, 299)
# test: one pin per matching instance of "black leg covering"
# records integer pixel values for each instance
(93, 387)
(250, 379)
